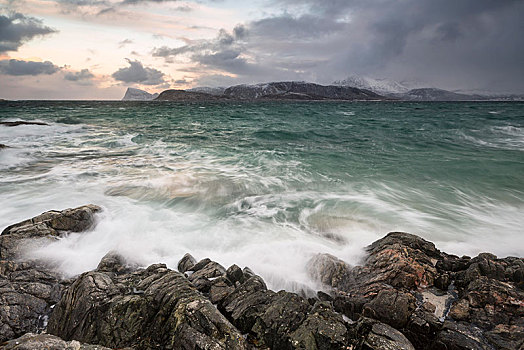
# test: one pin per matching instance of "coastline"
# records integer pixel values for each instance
(406, 295)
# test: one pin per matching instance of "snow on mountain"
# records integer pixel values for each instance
(379, 86)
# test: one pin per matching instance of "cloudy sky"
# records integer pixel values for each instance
(95, 49)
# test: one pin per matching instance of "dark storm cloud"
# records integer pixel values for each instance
(19, 67)
(82, 75)
(137, 73)
(447, 43)
(16, 29)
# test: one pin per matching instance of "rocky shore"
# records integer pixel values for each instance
(406, 295)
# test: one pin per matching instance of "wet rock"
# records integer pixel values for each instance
(27, 293)
(46, 226)
(460, 336)
(374, 335)
(392, 307)
(21, 122)
(399, 260)
(115, 263)
(322, 329)
(186, 263)
(235, 274)
(152, 308)
(329, 270)
(2, 146)
(219, 289)
(460, 310)
(32, 341)
(30, 289)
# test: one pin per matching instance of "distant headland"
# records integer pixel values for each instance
(351, 89)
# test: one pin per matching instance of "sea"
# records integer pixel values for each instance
(266, 185)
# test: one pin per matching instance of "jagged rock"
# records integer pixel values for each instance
(392, 307)
(322, 329)
(32, 341)
(458, 336)
(27, 293)
(152, 308)
(45, 226)
(329, 270)
(374, 335)
(29, 289)
(485, 291)
(235, 274)
(115, 263)
(21, 122)
(186, 263)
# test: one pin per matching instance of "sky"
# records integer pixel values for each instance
(95, 49)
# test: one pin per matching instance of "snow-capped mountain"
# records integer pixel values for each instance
(379, 86)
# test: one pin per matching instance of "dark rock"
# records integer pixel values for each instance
(27, 293)
(459, 336)
(219, 289)
(329, 270)
(21, 122)
(32, 341)
(322, 329)
(45, 226)
(29, 289)
(235, 274)
(373, 335)
(2, 146)
(392, 307)
(152, 308)
(186, 263)
(115, 263)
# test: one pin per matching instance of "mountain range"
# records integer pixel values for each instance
(350, 89)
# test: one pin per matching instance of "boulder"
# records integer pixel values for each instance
(152, 308)
(46, 226)
(186, 263)
(30, 289)
(374, 335)
(31, 341)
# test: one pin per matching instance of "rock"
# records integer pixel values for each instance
(374, 335)
(392, 307)
(322, 329)
(235, 274)
(152, 308)
(460, 310)
(485, 290)
(329, 270)
(29, 289)
(21, 122)
(460, 336)
(115, 263)
(2, 146)
(219, 289)
(46, 226)
(186, 263)
(32, 341)
(27, 293)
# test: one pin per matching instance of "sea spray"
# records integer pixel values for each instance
(266, 185)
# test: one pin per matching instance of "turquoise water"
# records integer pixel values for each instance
(266, 184)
